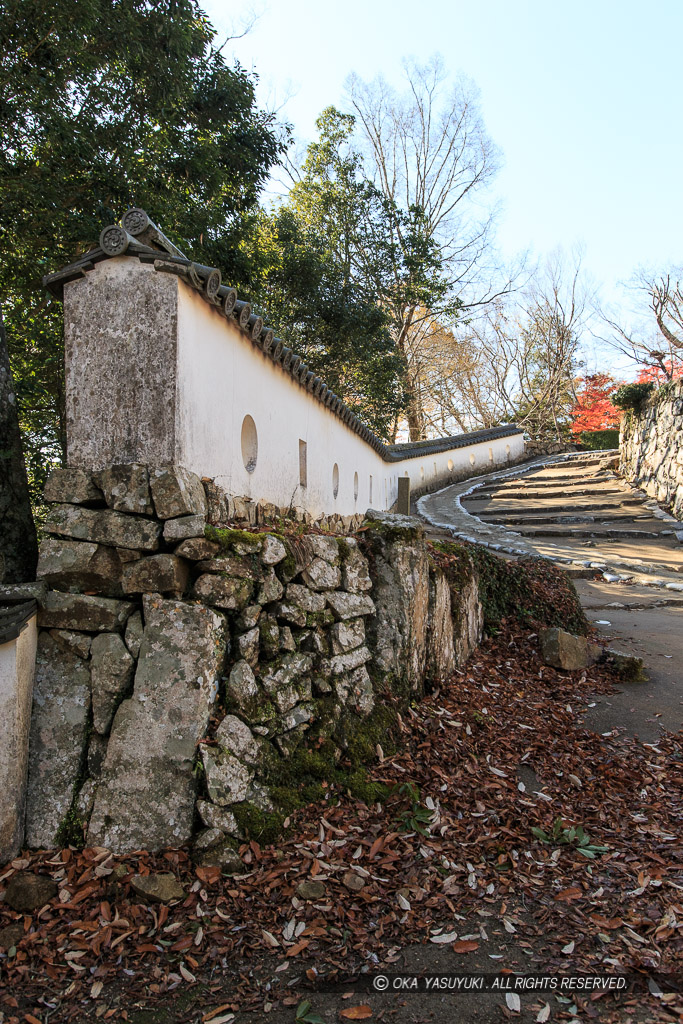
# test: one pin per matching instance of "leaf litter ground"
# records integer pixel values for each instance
(451, 873)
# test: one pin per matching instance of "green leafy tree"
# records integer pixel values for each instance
(106, 104)
(319, 272)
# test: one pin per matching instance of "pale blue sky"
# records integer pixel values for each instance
(583, 99)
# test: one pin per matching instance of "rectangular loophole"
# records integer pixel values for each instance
(303, 467)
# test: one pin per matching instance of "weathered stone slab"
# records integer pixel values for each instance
(177, 492)
(74, 486)
(59, 727)
(79, 563)
(212, 848)
(158, 573)
(126, 488)
(184, 528)
(349, 606)
(84, 612)
(224, 591)
(23, 591)
(397, 635)
(440, 650)
(248, 646)
(286, 682)
(111, 672)
(159, 887)
(104, 526)
(147, 790)
(17, 668)
(347, 661)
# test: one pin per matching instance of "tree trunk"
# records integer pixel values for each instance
(18, 542)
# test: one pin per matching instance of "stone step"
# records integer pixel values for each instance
(504, 511)
(543, 481)
(626, 497)
(558, 520)
(588, 534)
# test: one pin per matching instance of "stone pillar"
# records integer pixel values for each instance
(18, 635)
(403, 506)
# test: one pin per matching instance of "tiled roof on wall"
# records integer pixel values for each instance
(13, 618)
(139, 237)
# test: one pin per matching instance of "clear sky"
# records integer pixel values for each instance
(582, 98)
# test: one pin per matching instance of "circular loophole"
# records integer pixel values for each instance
(335, 480)
(450, 465)
(355, 486)
(249, 444)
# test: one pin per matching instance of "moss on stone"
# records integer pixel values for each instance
(227, 538)
(263, 826)
(71, 831)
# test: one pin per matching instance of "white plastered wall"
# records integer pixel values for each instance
(223, 378)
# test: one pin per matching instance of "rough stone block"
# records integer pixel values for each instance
(355, 570)
(84, 612)
(566, 651)
(79, 643)
(103, 526)
(346, 635)
(235, 737)
(74, 486)
(347, 661)
(349, 606)
(270, 590)
(111, 673)
(318, 546)
(214, 816)
(69, 563)
(134, 633)
(290, 613)
(321, 575)
(242, 566)
(355, 688)
(273, 551)
(248, 646)
(59, 729)
(241, 687)
(177, 492)
(212, 848)
(147, 790)
(227, 779)
(196, 548)
(12, 592)
(305, 598)
(126, 488)
(224, 591)
(184, 528)
(158, 573)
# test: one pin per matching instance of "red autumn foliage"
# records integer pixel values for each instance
(593, 409)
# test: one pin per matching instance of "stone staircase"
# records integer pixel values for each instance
(573, 509)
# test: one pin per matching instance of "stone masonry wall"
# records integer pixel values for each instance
(182, 659)
(651, 447)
